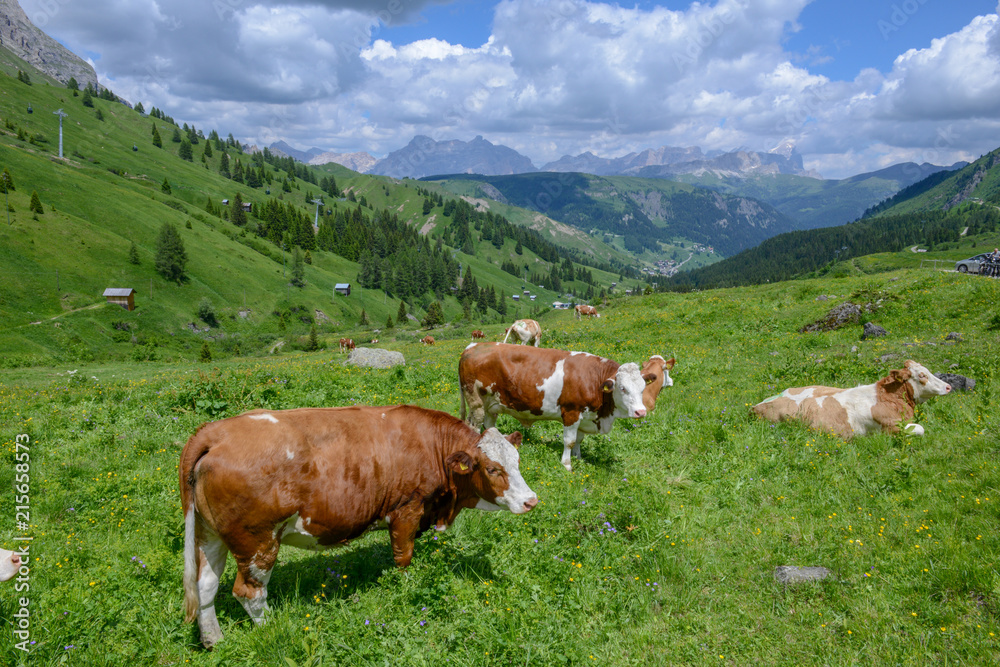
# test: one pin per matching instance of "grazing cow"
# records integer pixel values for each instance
(315, 478)
(527, 331)
(346, 344)
(585, 392)
(478, 334)
(589, 311)
(659, 368)
(861, 410)
(427, 340)
(373, 341)
(10, 563)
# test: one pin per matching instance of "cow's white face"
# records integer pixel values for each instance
(628, 386)
(516, 497)
(10, 563)
(925, 384)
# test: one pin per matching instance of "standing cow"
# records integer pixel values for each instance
(478, 334)
(346, 344)
(862, 410)
(427, 340)
(318, 477)
(660, 369)
(527, 331)
(589, 311)
(583, 391)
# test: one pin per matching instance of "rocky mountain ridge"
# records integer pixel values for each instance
(26, 41)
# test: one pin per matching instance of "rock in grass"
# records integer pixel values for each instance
(957, 382)
(792, 574)
(373, 357)
(873, 330)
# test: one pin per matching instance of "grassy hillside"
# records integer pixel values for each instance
(111, 190)
(659, 547)
(977, 183)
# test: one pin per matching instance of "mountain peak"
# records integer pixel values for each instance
(424, 156)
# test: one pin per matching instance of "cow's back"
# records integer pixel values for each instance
(818, 406)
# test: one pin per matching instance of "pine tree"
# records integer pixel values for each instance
(171, 259)
(434, 316)
(208, 149)
(156, 137)
(299, 270)
(99, 115)
(206, 354)
(6, 182)
(36, 203)
(133, 254)
(137, 108)
(401, 313)
(72, 84)
(389, 323)
(364, 318)
(165, 186)
(224, 165)
(185, 152)
(176, 136)
(308, 259)
(313, 344)
(239, 216)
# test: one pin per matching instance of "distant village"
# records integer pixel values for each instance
(668, 267)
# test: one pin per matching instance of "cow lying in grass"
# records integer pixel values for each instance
(862, 410)
(10, 563)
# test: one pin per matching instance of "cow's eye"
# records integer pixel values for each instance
(492, 471)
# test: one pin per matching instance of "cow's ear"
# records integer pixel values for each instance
(460, 463)
(515, 439)
(648, 378)
(609, 385)
(900, 375)
(669, 363)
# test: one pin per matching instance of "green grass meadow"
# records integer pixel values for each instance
(658, 549)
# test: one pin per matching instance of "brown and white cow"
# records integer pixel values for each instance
(478, 334)
(589, 311)
(660, 369)
(10, 563)
(427, 340)
(346, 344)
(315, 478)
(527, 331)
(861, 410)
(585, 392)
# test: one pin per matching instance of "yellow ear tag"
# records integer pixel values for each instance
(463, 467)
(608, 390)
(649, 381)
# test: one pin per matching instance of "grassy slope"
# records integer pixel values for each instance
(57, 267)
(657, 549)
(960, 182)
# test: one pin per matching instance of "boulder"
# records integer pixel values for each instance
(957, 382)
(844, 314)
(373, 357)
(955, 336)
(872, 331)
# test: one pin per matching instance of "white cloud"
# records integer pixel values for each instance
(555, 77)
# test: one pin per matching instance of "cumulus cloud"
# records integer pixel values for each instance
(555, 77)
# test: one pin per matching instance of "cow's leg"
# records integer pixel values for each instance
(571, 432)
(403, 526)
(211, 553)
(253, 571)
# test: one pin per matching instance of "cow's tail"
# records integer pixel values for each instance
(194, 450)
(461, 402)
(508, 333)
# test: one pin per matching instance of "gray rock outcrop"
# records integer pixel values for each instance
(27, 41)
(374, 357)
(872, 330)
(792, 574)
(957, 382)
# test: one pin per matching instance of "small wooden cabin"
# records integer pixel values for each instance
(343, 288)
(122, 296)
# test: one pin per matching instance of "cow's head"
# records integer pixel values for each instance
(626, 387)
(656, 374)
(10, 563)
(925, 384)
(492, 469)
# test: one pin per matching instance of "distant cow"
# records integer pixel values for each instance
(373, 341)
(527, 331)
(346, 344)
(10, 563)
(589, 311)
(427, 340)
(861, 410)
(478, 334)
(660, 369)
(315, 478)
(585, 392)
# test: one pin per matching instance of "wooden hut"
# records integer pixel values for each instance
(122, 296)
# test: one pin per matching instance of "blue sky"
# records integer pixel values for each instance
(854, 85)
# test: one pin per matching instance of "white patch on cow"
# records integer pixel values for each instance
(257, 605)
(214, 551)
(586, 354)
(265, 417)
(289, 454)
(628, 391)
(441, 527)
(858, 402)
(914, 429)
(293, 533)
(470, 346)
(551, 389)
(497, 448)
(798, 398)
(820, 399)
(484, 505)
